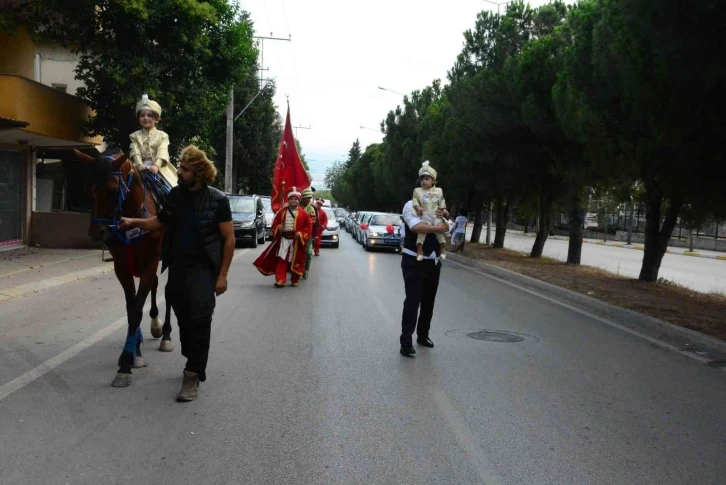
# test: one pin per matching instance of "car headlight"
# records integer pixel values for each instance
(247, 224)
(374, 234)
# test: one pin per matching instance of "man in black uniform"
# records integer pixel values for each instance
(198, 250)
(421, 279)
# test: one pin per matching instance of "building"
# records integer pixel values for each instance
(41, 121)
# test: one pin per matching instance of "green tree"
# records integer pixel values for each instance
(185, 54)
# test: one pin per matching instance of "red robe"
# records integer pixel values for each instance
(266, 263)
(322, 222)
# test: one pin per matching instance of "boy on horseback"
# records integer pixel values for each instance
(150, 149)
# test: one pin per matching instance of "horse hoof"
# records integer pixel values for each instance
(140, 363)
(156, 327)
(121, 380)
(166, 346)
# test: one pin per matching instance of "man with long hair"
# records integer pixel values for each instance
(198, 251)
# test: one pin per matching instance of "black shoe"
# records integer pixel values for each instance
(407, 350)
(426, 342)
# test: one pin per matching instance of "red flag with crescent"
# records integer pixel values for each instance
(289, 170)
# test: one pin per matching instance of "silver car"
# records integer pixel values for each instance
(331, 234)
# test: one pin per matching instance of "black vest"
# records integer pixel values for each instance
(430, 245)
(208, 235)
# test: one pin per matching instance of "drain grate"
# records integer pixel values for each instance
(496, 336)
(717, 363)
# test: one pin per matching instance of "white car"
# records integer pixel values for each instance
(376, 235)
(331, 234)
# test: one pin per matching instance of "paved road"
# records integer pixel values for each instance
(306, 385)
(706, 275)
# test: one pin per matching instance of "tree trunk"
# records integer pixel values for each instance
(476, 230)
(502, 221)
(657, 237)
(575, 220)
(545, 215)
(630, 224)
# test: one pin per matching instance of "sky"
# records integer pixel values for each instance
(341, 51)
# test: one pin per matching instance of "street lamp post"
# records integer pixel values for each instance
(498, 4)
(391, 90)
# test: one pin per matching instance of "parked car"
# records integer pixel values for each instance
(269, 215)
(331, 234)
(375, 234)
(347, 221)
(357, 229)
(340, 215)
(350, 222)
(248, 216)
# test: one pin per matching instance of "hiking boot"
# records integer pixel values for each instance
(190, 387)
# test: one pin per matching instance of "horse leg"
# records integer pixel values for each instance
(146, 284)
(154, 313)
(126, 359)
(165, 345)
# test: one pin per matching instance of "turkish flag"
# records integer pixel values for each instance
(289, 170)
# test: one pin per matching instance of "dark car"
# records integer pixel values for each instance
(269, 215)
(248, 215)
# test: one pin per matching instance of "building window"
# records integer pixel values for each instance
(60, 87)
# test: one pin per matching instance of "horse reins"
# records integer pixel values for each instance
(115, 219)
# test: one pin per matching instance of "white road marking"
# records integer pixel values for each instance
(464, 436)
(50, 364)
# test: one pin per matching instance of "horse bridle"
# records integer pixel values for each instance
(124, 188)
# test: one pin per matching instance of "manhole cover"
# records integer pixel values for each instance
(494, 336)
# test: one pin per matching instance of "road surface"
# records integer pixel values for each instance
(306, 385)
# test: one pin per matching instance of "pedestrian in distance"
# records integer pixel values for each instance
(306, 203)
(459, 231)
(322, 224)
(198, 251)
(291, 231)
(420, 277)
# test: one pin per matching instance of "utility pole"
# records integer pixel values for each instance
(228, 175)
(301, 127)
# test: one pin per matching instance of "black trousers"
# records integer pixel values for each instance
(191, 284)
(421, 280)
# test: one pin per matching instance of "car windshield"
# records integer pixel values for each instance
(386, 219)
(330, 213)
(341, 213)
(242, 204)
(267, 204)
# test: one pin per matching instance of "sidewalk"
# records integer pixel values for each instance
(28, 270)
(699, 253)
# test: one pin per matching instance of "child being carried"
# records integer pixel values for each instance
(426, 200)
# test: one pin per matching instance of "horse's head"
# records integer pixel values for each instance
(107, 174)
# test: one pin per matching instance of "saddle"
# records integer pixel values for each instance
(155, 184)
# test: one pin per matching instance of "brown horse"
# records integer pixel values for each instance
(118, 191)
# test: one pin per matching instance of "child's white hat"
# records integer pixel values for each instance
(426, 169)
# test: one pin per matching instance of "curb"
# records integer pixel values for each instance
(36, 287)
(637, 247)
(705, 349)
